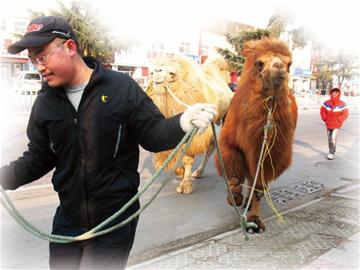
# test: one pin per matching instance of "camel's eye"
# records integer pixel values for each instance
(259, 65)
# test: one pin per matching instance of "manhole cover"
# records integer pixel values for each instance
(282, 196)
(309, 186)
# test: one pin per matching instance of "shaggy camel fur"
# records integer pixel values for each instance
(189, 84)
(265, 74)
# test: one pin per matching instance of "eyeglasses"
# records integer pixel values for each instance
(42, 60)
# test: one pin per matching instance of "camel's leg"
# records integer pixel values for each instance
(254, 212)
(236, 170)
(180, 172)
(185, 185)
(199, 171)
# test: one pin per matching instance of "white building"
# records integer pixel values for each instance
(197, 44)
(301, 64)
(10, 29)
(301, 72)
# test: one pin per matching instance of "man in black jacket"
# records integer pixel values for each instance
(88, 123)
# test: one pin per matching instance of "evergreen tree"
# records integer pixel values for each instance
(234, 57)
(277, 25)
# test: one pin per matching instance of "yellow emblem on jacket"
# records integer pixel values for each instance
(104, 98)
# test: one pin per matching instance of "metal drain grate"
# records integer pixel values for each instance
(309, 186)
(283, 196)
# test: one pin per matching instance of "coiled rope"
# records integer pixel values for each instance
(96, 231)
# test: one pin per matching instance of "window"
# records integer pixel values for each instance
(3, 25)
(19, 26)
(204, 50)
(184, 47)
(156, 46)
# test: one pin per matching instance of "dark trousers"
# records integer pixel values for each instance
(332, 134)
(108, 251)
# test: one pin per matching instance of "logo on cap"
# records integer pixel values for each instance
(34, 27)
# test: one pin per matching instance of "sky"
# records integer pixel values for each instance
(333, 21)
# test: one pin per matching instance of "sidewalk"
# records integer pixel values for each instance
(323, 234)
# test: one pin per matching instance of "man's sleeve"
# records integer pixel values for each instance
(153, 131)
(38, 160)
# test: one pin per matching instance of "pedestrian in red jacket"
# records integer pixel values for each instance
(333, 112)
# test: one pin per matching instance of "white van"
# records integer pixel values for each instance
(28, 82)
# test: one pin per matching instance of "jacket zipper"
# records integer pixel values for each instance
(81, 160)
(117, 141)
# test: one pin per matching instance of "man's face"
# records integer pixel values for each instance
(54, 62)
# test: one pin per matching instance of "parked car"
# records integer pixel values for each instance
(28, 82)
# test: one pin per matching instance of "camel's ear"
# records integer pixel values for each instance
(248, 48)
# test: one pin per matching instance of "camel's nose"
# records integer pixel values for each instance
(277, 64)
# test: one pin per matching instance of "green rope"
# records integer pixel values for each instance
(242, 217)
(8, 205)
(243, 220)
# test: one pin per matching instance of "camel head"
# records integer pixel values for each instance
(162, 74)
(268, 64)
(174, 71)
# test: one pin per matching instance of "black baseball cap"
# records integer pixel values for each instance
(41, 31)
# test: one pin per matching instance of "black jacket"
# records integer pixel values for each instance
(94, 150)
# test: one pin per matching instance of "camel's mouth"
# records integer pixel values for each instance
(278, 80)
(158, 82)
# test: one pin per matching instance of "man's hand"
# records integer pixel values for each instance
(199, 115)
